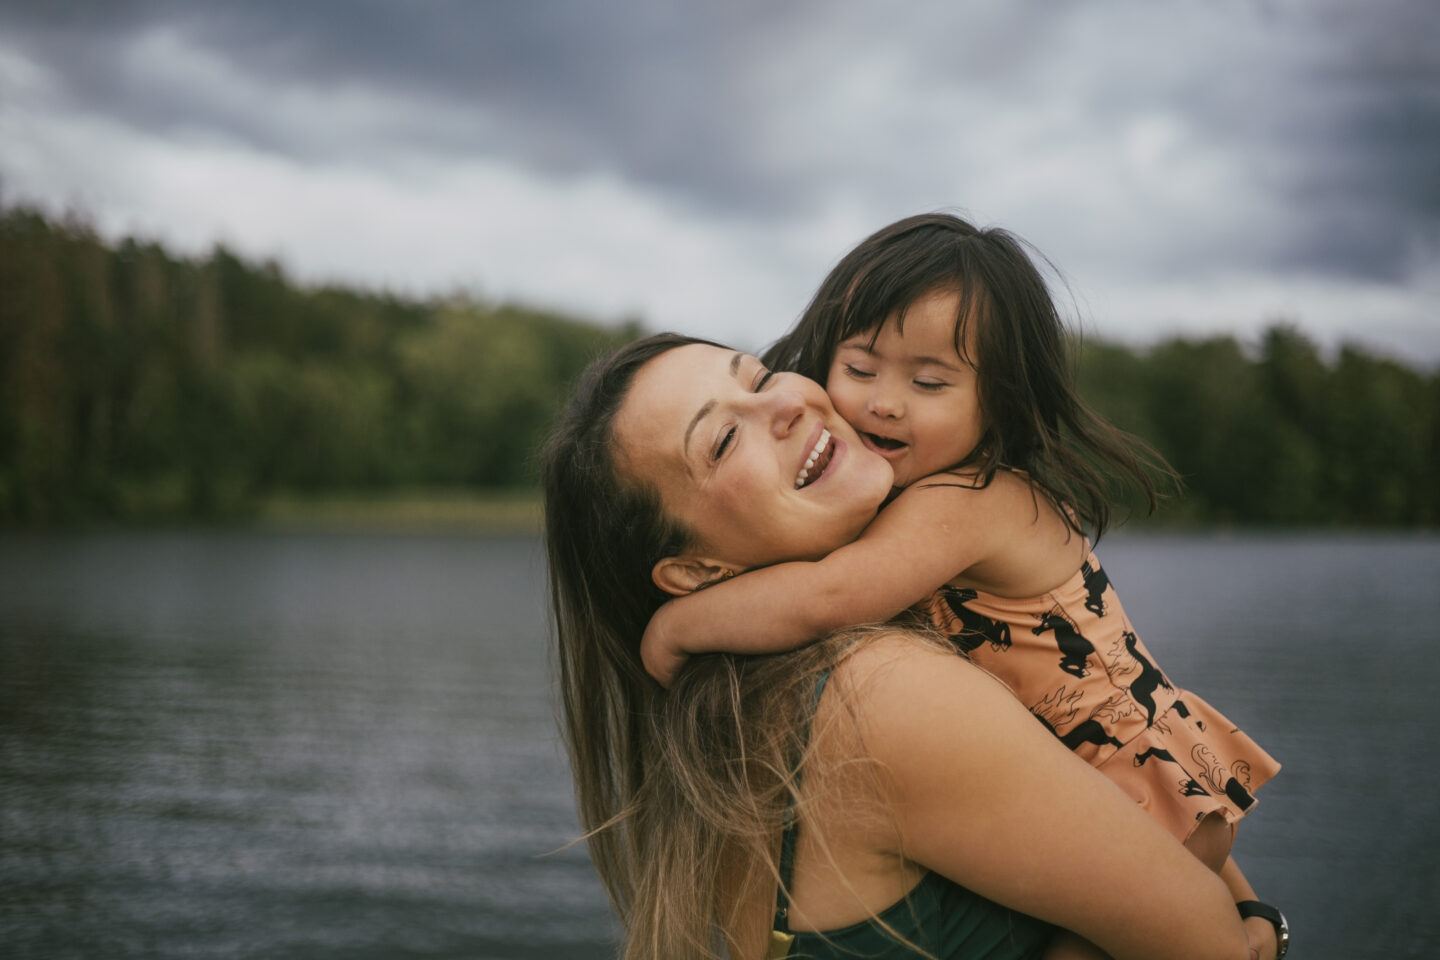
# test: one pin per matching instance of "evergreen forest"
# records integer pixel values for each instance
(141, 386)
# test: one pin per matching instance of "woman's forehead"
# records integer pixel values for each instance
(695, 370)
(667, 394)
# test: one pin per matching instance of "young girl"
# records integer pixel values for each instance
(940, 345)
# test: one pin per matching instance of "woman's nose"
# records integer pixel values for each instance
(786, 408)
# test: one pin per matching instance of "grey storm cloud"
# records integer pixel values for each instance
(565, 88)
(739, 109)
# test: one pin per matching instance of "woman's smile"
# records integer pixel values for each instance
(780, 473)
(821, 454)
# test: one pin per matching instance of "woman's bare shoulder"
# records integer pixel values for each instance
(889, 647)
(898, 669)
(905, 687)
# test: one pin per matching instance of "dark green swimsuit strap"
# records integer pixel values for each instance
(787, 838)
(941, 918)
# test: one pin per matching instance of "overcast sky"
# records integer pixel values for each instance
(1191, 167)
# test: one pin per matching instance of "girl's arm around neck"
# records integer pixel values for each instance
(987, 797)
(921, 541)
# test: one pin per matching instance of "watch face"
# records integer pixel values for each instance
(1282, 936)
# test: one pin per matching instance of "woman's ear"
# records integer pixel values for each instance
(679, 576)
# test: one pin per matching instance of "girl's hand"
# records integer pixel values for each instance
(660, 649)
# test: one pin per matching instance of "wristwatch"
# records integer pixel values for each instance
(1254, 908)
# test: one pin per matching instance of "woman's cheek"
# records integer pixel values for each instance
(747, 484)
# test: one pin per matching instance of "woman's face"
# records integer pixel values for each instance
(758, 466)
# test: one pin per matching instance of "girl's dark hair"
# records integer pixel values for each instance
(1035, 420)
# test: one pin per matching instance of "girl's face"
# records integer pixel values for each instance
(758, 466)
(911, 397)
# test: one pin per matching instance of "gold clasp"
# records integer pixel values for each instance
(779, 945)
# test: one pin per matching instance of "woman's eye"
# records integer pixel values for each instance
(760, 384)
(857, 373)
(724, 443)
(931, 385)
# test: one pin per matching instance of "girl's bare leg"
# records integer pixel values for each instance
(1259, 931)
(1211, 842)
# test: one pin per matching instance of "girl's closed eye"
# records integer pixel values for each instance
(934, 386)
(857, 372)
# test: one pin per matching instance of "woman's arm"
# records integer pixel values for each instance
(925, 538)
(984, 795)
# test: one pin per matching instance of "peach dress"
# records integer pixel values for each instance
(1072, 657)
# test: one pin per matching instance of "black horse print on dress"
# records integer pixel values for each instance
(1143, 689)
(1091, 731)
(1096, 580)
(1189, 787)
(1073, 647)
(1153, 753)
(1057, 709)
(976, 628)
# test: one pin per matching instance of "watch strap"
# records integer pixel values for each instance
(1254, 908)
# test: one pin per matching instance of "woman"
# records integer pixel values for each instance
(679, 462)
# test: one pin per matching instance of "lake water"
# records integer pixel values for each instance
(327, 746)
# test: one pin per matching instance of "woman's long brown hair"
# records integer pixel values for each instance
(681, 793)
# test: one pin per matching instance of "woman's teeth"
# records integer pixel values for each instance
(820, 446)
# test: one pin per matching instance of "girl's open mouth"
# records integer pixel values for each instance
(883, 444)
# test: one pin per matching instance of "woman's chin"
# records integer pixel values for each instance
(869, 481)
(873, 471)
(857, 473)
(841, 502)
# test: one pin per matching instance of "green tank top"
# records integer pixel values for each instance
(940, 917)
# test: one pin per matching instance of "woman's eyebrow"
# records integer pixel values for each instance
(708, 405)
(695, 422)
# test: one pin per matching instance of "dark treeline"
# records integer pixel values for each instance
(138, 385)
(1279, 436)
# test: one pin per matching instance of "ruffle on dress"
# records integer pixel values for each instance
(1191, 762)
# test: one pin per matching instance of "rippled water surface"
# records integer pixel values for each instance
(251, 745)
